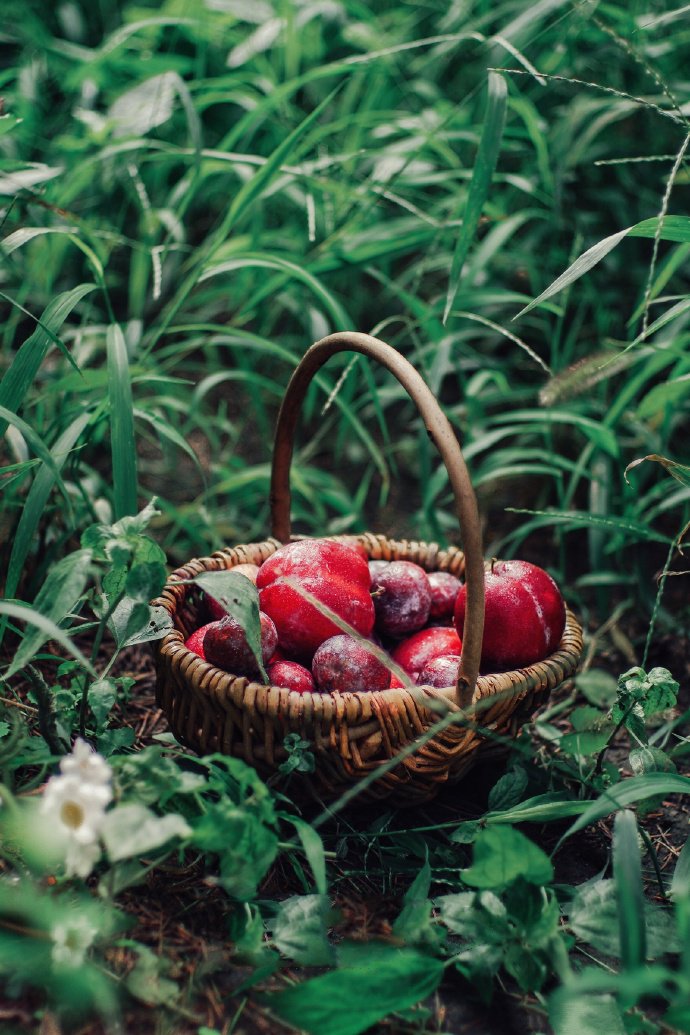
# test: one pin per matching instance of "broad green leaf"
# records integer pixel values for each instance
(133, 830)
(122, 440)
(414, 924)
(245, 844)
(59, 594)
(135, 622)
(648, 759)
(592, 732)
(240, 598)
(598, 687)
(508, 790)
(145, 581)
(579, 1013)
(501, 855)
(673, 228)
(146, 980)
(482, 174)
(102, 697)
(300, 929)
(378, 980)
(25, 365)
(593, 916)
(627, 872)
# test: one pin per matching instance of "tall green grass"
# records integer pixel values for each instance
(190, 198)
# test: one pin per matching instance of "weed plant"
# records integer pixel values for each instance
(193, 192)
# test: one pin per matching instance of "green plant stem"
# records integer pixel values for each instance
(98, 639)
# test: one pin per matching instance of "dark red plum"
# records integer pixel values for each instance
(402, 598)
(292, 675)
(343, 663)
(225, 645)
(195, 642)
(442, 671)
(376, 567)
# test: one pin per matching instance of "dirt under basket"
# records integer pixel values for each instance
(401, 744)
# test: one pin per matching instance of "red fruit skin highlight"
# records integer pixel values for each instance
(335, 573)
(195, 642)
(423, 646)
(291, 675)
(524, 616)
(226, 646)
(344, 664)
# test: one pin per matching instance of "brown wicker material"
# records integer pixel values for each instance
(353, 734)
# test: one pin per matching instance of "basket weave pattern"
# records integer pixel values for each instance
(351, 734)
(354, 734)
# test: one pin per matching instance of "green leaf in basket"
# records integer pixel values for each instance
(372, 981)
(240, 598)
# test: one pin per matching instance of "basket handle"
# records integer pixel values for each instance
(440, 431)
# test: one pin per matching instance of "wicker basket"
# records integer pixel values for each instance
(353, 735)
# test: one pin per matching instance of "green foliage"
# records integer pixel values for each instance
(371, 981)
(190, 195)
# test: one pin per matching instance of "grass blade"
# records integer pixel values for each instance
(636, 788)
(58, 595)
(627, 871)
(122, 444)
(49, 628)
(674, 228)
(242, 201)
(31, 354)
(583, 264)
(487, 156)
(680, 884)
(37, 499)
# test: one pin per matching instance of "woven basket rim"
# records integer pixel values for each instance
(246, 693)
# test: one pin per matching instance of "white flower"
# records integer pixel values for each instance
(71, 940)
(76, 801)
(86, 763)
